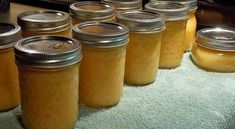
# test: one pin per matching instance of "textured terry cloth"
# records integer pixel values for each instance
(182, 98)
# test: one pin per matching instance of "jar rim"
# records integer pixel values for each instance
(221, 39)
(44, 20)
(9, 38)
(125, 4)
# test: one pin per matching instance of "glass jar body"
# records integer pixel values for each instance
(190, 34)
(213, 60)
(172, 46)
(66, 33)
(102, 76)
(142, 58)
(77, 21)
(9, 85)
(49, 97)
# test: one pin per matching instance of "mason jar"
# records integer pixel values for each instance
(191, 25)
(91, 11)
(125, 5)
(102, 67)
(9, 85)
(44, 22)
(172, 47)
(48, 74)
(143, 50)
(215, 49)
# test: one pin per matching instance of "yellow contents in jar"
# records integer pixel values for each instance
(49, 97)
(190, 34)
(142, 58)
(9, 85)
(102, 76)
(76, 21)
(213, 60)
(172, 46)
(66, 33)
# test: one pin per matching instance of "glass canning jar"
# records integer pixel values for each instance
(125, 5)
(102, 67)
(91, 11)
(143, 50)
(191, 25)
(44, 22)
(48, 74)
(9, 85)
(172, 47)
(215, 49)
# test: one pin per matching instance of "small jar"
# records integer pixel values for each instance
(102, 67)
(191, 25)
(91, 11)
(48, 74)
(125, 5)
(172, 47)
(9, 85)
(44, 22)
(215, 49)
(143, 50)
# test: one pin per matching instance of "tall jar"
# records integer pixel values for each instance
(143, 50)
(215, 49)
(102, 67)
(191, 25)
(44, 22)
(172, 47)
(48, 73)
(125, 5)
(9, 85)
(91, 11)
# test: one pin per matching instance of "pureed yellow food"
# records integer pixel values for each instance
(9, 85)
(191, 22)
(102, 67)
(215, 49)
(125, 5)
(91, 11)
(172, 47)
(48, 74)
(44, 22)
(143, 50)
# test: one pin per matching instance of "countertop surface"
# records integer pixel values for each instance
(182, 98)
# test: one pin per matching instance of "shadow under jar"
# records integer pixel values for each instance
(9, 85)
(44, 22)
(172, 47)
(143, 50)
(215, 49)
(191, 25)
(102, 67)
(125, 5)
(49, 74)
(91, 11)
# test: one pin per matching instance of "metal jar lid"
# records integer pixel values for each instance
(221, 39)
(141, 21)
(44, 21)
(9, 35)
(192, 4)
(91, 11)
(47, 52)
(122, 5)
(101, 34)
(170, 10)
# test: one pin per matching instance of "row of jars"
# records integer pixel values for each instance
(50, 70)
